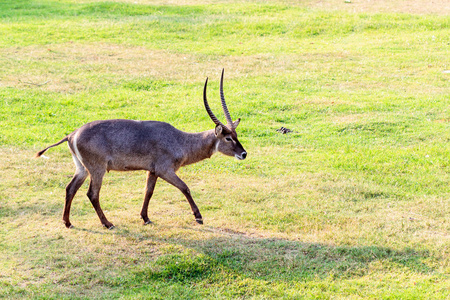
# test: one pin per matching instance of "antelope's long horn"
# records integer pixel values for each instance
(210, 113)
(224, 104)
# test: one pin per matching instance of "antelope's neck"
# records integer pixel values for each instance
(200, 146)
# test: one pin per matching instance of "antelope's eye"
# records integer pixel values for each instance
(228, 139)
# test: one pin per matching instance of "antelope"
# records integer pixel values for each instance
(156, 147)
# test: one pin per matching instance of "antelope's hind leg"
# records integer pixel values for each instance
(94, 195)
(151, 182)
(77, 181)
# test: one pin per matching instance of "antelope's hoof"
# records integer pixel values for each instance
(110, 226)
(68, 225)
(148, 222)
(199, 221)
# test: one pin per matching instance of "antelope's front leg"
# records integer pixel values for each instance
(151, 182)
(173, 179)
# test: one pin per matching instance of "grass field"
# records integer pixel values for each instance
(353, 204)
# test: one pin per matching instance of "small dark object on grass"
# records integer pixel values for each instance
(284, 130)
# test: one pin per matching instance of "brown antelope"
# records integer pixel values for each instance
(157, 147)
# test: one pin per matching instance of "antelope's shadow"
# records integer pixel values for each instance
(271, 258)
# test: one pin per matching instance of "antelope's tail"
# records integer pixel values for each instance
(60, 142)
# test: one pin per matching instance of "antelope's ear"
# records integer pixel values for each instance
(236, 123)
(218, 130)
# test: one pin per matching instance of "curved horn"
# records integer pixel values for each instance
(224, 104)
(210, 113)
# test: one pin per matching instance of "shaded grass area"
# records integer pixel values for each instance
(352, 204)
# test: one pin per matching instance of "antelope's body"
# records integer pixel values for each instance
(125, 145)
(157, 147)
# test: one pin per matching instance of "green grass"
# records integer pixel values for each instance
(354, 203)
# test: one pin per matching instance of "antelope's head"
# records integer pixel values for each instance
(227, 140)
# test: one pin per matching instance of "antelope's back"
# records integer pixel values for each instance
(128, 144)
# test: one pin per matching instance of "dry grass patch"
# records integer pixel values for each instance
(74, 67)
(438, 7)
(171, 2)
(69, 67)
